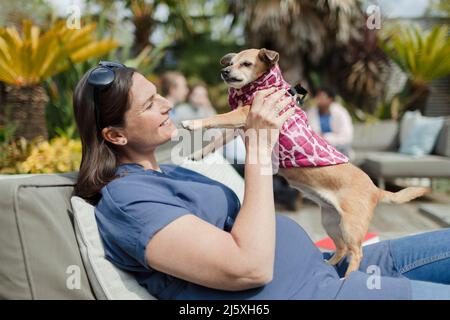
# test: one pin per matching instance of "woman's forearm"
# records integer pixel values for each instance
(254, 228)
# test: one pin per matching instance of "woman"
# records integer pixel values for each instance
(199, 99)
(197, 106)
(185, 236)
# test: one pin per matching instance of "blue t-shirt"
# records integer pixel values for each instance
(141, 202)
(325, 122)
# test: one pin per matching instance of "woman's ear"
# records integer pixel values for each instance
(226, 59)
(114, 136)
(269, 56)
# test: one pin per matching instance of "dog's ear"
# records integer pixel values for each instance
(226, 59)
(269, 56)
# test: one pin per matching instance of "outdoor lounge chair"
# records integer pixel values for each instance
(51, 251)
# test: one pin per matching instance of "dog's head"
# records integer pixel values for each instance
(246, 66)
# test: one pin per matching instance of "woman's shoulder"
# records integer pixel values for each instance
(133, 183)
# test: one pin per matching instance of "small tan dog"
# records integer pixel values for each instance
(346, 195)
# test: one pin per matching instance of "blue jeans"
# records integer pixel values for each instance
(422, 258)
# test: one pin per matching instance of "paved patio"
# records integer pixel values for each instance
(390, 220)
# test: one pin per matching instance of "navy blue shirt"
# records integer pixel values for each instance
(141, 202)
(325, 122)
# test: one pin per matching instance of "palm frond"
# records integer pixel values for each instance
(423, 55)
(31, 57)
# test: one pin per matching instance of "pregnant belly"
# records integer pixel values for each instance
(299, 267)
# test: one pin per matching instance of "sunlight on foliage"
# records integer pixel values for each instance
(33, 57)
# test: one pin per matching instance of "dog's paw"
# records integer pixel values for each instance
(191, 124)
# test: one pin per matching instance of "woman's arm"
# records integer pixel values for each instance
(197, 251)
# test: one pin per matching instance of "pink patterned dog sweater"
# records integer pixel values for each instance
(299, 145)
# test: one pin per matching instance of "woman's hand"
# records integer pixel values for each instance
(264, 120)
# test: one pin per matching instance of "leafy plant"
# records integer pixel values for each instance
(60, 154)
(422, 55)
(12, 153)
(324, 41)
(29, 58)
(34, 57)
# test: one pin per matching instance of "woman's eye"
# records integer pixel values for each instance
(149, 106)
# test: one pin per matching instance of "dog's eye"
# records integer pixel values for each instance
(246, 64)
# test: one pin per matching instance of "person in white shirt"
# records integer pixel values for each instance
(331, 120)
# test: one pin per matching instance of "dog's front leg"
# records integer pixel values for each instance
(233, 119)
(222, 139)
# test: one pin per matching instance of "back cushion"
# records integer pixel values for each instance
(39, 256)
(443, 141)
(377, 136)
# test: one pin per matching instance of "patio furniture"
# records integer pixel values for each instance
(376, 152)
(42, 257)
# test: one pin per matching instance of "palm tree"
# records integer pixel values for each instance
(303, 31)
(27, 61)
(325, 39)
(423, 56)
(144, 20)
(441, 6)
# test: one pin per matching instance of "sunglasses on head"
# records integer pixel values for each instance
(100, 78)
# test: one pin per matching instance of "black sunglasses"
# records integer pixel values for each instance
(100, 78)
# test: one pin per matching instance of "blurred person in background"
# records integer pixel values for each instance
(199, 103)
(199, 107)
(174, 87)
(331, 120)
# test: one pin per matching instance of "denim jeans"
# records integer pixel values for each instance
(423, 258)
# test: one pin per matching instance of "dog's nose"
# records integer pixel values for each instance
(225, 72)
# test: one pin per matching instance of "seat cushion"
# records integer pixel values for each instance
(393, 164)
(39, 256)
(109, 282)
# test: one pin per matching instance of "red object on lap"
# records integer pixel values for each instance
(328, 244)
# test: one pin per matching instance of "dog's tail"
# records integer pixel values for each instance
(403, 195)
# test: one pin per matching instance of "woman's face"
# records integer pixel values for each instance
(147, 122)
(180, 90)
(199, 96)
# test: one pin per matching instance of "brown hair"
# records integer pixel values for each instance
(168, 80)
(99, 157)
(197, 83)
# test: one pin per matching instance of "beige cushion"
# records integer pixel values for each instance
(380, 136)
(39, 255)
(109, 282)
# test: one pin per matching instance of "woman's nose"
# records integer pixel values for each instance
(168, 105)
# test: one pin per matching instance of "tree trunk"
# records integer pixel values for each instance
(27, 109)
(143, 28)
(417, 96)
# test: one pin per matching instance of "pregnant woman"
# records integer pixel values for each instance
(185, 236)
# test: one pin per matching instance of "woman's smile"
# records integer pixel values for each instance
(166, 122)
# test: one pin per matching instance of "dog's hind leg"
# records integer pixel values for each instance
(354, 227)
(330, 221)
